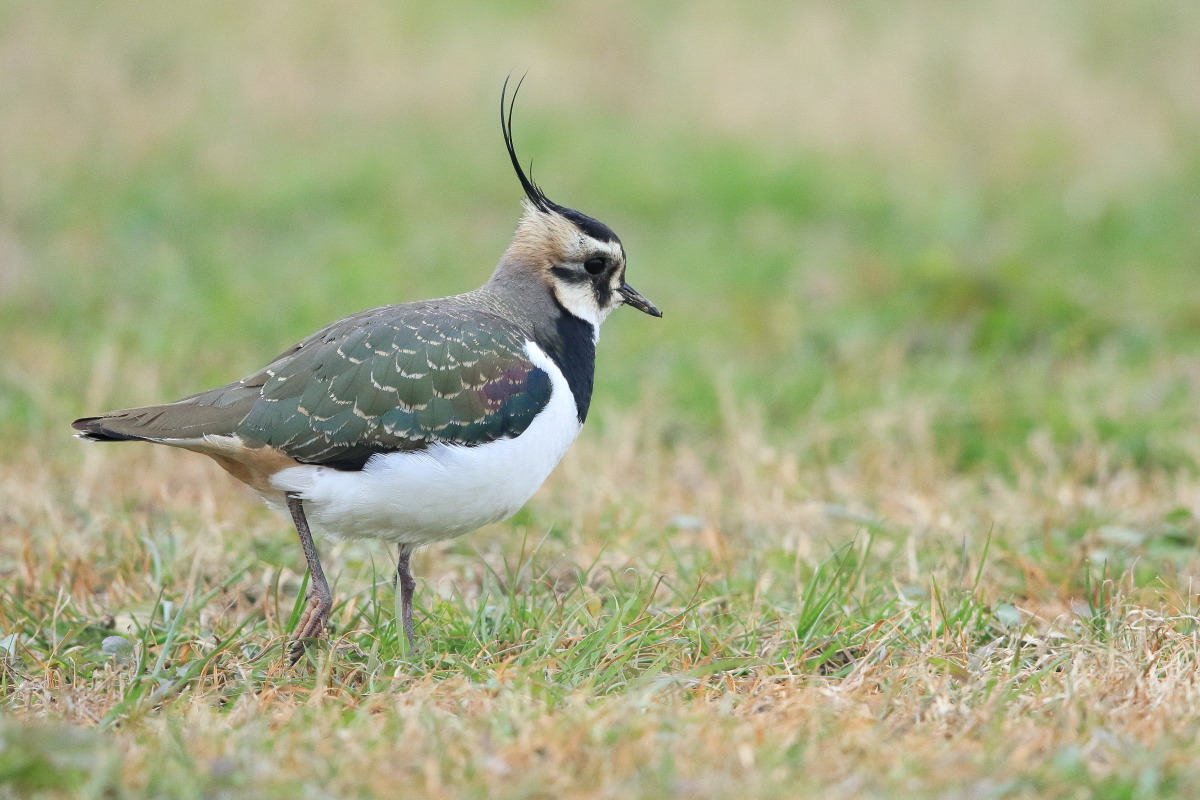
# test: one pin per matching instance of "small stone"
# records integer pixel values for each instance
(1007, 615)
(118, 647)
(8, 647)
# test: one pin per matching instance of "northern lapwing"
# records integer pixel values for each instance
(418, 422)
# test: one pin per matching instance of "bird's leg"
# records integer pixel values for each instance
(320, 599)
(407, 585)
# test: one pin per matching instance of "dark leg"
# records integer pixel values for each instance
(407, 585)
(320, 599)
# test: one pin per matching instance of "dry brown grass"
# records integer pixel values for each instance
(932, 696)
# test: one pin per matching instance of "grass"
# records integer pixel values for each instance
(901, 498)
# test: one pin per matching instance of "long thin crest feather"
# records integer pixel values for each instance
(532, 191)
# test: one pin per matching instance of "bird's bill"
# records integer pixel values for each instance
(635, 299)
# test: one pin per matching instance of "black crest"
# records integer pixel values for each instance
(532, 191)
(592, 227)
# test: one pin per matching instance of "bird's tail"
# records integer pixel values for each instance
(213, 413)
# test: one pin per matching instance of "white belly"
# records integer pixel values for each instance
(444, 491)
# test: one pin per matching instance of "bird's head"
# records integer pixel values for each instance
(578, 257)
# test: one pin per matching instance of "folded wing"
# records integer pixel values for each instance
(382, 381)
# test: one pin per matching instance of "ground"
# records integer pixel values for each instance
(901, 498)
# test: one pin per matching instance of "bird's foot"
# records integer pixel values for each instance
(311, 626)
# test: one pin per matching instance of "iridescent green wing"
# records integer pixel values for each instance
(397, 379)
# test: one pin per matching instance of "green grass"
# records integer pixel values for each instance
(901, 498)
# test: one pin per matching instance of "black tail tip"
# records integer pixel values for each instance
(92, 429)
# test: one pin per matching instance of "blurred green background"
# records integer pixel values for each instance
(990, 210)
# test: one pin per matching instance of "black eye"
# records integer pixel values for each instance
(594, 266)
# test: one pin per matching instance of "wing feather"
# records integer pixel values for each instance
(398, 384)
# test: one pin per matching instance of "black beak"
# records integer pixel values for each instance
(635, 299)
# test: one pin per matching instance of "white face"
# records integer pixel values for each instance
(588, 277)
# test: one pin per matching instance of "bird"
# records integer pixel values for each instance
(422, 421)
